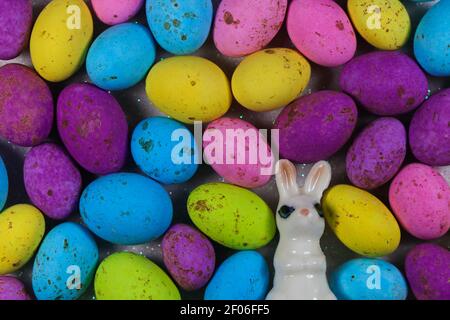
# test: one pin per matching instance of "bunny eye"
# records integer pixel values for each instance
(285, 211)
(318, 207)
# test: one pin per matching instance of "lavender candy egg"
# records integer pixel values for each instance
(52, 181)
(16, 18)
(377, 153)
(26, 106)
(386, 83)
(316, 126)
(189, 256)
(12, 289)
(429, 131)
(428, 272)
(93, 128)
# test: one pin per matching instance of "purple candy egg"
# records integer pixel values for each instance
(377, 153)
(316, 126)
(16, 18)
(26, 106)
(93, 128)
(52, 181)
(385, 82)
(429, 132)
(428, 272)
(12, 289)
(189, 256)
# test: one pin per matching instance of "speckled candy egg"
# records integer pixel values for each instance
(180, 27)
(16, 17)
(52, 181)
(420, 197)
(121, 56)
(165, 150)
(12, 288)
(368, 279)
(385, 82)
(4, 184)
(26, 106)
(126, 208)
(244, 27)
(189, 256)
(238, 152)
(65, 263)
(128, 276)
(115, 12)
(432, 39)
(429, 131)
(243, 276)
(427, 270)
(377, 153)
(232, 216)
(316, 126)
(321, 30)
(93, 128)
(21, 230)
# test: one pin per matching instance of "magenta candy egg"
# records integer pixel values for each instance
(420, 197)
(115, 12)
(52, 181)
(427, 269)
(429, 131)
(237, 151)
(12, 289)
(316, 126)
(321, 30)
(26, 106)
(189, 256)
(244, 27)
(93, 128)
(377, 153)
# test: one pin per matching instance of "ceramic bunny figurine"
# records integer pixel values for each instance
(299, 262)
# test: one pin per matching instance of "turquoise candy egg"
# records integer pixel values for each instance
(3, 184)
(126, 208)
(368, 279)
(65, 263)
(121, 56)
(165, 150)
(180, 27)
(432, 40)
(243, 276)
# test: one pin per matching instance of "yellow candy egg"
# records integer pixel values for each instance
(361, 221)
(21, 230)
(60, 39)
(189, 89)
(385, 24)
(270, 79)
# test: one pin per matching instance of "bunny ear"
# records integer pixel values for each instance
(286, 177)
(318, 179)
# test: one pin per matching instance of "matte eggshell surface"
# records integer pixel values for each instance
(321, 30)
(12, 289)
(420, 197)
(4, 184)
(244, 27)
(115, 12)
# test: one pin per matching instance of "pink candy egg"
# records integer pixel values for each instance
(115, 12)
(12, 289)
(244, 27)
(321, 30)
(420, 197)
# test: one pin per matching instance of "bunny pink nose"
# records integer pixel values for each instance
(304, 212)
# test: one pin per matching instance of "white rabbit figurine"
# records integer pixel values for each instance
(300, 264)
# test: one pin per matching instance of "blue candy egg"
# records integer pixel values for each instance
(368, 279)
(432, 40)
(3, 184)
(243, 276)
(126, 208)
(65, 263)
(180, 27)
(165, 150)
(121, 56)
